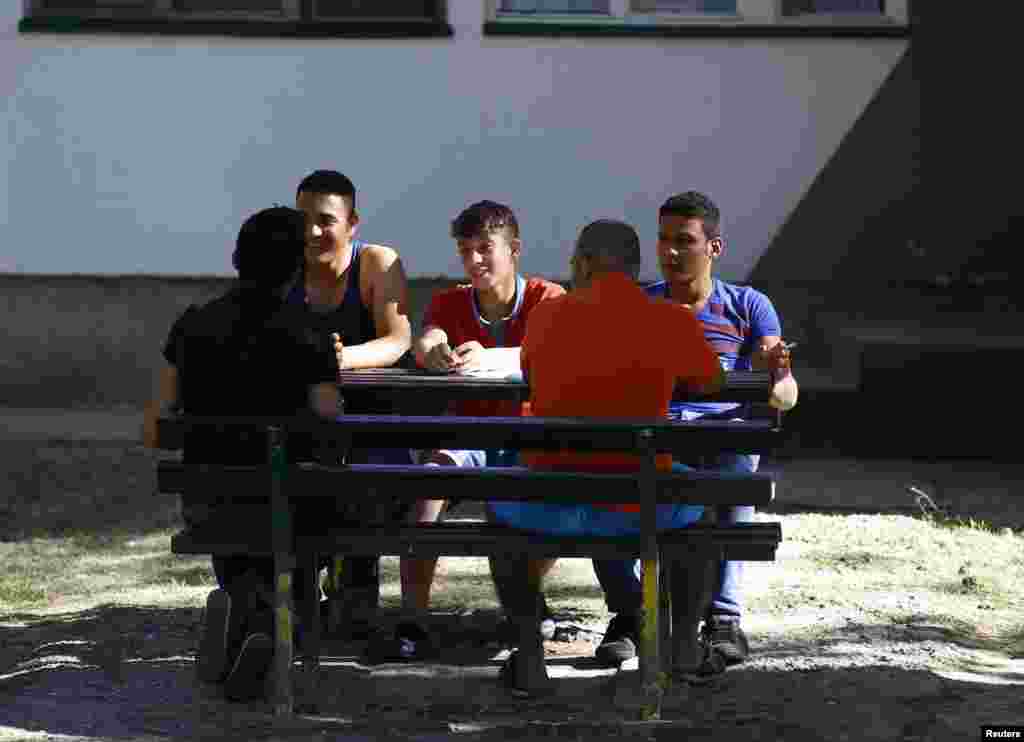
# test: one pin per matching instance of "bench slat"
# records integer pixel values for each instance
(411, 483)
(685, 438)
(744, 541)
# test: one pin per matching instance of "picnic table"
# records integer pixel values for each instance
(425, 391)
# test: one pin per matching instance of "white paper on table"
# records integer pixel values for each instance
(507, 373)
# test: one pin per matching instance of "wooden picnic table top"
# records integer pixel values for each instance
(741, 386)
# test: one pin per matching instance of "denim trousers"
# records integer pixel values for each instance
(620, 579)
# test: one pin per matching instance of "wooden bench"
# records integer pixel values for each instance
(278, 482)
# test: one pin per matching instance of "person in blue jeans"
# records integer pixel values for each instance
(743, 328)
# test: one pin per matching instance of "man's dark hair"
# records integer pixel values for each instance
(612, 245)
(482, 218)
(329, 182)
(269, 248)
(694, 205)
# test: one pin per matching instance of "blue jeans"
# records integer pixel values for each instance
(557, 519)
(620, 578)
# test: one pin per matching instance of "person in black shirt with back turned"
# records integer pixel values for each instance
(244, 353)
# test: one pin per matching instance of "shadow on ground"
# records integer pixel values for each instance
(120, 672)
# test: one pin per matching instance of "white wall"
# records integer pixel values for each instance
(143, 154)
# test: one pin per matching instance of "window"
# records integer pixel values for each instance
(272, 17)
(717, 17)
(711, 7)
(809, 7)
(554, 6)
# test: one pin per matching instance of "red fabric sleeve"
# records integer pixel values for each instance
(435, 314)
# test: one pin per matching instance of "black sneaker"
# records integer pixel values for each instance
(219, 632)
(620, 641)
(727, 639)
(409, 643)
(248, 676)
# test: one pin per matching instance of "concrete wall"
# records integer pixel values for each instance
(95, 341)
(142, 155)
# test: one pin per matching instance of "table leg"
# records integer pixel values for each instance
(665, 611)
(335, 594)
(311, 663)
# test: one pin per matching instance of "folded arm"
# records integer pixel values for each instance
(389, 306)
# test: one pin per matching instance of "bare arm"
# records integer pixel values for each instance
(774, 356)
(389, 306)
(166, 397)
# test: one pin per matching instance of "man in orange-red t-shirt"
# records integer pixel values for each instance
(601, 351)
(467, 328)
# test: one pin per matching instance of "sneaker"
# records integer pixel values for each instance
(726, 638)
(409, 643)
(212, 662)
(620, 641)
(248, 676)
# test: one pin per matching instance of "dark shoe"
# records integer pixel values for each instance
(712, 665)
(620, 641)
(526, 678)
(409, 643)
(212, 662)
(248, 676)
(727, 639)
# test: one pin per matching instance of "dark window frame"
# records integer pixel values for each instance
(292, 19)
(887, 23)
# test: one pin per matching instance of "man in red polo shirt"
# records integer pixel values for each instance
(600, 351)
(466, 329)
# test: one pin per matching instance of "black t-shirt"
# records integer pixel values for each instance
(244, 355)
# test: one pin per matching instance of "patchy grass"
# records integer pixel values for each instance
(80, 569)
(890, 570)
(901, 570)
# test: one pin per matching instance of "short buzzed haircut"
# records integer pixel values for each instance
(695, 205)
(485, 217)
(329, 182)
(611, 244)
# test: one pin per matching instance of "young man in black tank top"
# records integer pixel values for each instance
(369, 301)
(355, 294)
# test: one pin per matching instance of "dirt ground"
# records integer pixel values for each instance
(126, 671)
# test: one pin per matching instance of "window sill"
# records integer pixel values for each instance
(703, 28)
(236, 27)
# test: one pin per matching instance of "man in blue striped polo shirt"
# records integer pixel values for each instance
(743, 327)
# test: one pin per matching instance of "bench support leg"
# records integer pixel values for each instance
(284, 563)
(650, 660)
(652, 679)
(283, 701)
